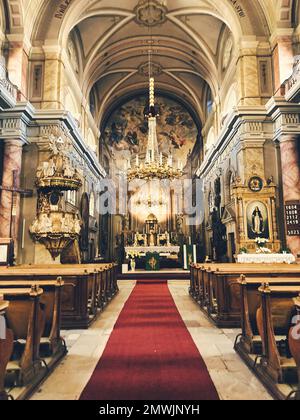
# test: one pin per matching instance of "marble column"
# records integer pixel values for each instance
(9, 205)
(290, 158)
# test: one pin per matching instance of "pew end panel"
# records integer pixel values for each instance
(6, 348)
(26, 318)
(294, 341)
(276, 367)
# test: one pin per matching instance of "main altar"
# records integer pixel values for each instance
(153, 244)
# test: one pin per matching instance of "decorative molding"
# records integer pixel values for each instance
(150, 13)
(156, 69)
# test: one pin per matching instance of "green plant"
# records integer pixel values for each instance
(244, 250)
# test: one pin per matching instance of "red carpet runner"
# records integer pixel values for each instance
(150, 354)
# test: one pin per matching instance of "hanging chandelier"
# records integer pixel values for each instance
(156, 165)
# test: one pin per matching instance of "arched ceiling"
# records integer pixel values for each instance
(187, 36)
(112, 37)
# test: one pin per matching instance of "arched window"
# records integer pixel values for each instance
(209, 102)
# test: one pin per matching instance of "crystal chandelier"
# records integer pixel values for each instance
(155, 165)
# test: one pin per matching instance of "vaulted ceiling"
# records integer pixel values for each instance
(184, 39)
(189, 39)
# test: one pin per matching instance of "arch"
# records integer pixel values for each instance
(140, 92)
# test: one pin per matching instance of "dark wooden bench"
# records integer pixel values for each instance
(218, 290)
(249, 344)
(87, 288)
(52, 346)
(276, 366)
(26, 317)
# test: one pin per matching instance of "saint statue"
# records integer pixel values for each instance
(152, 238)
(257, 221)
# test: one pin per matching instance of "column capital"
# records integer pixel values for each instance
(288, 137)
(14, 143)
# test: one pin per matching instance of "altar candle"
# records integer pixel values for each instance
(137, 160)
(161, 159)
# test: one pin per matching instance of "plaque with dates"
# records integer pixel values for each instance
(292, 211)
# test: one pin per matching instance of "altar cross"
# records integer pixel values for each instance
(15, 190)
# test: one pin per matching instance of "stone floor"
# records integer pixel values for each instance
(232, 378)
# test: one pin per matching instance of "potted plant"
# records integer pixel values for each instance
(244, 251)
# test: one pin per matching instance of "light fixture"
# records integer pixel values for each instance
(156, 165)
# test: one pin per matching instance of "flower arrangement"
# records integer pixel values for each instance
(261, 242)
(132, 255)
(244, 251)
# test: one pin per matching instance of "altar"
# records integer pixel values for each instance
(266, 259)
(163, 251)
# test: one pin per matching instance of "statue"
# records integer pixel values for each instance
(77, 225)
(152, 238)
(45, 223)
(179, 223)
(257, 222)
(136, 239)
(49, 170)
(68, 170)
(65, 223)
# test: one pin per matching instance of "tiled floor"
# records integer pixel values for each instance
(232, 378)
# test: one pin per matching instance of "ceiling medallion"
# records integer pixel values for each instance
(150, 13)
(156, 69)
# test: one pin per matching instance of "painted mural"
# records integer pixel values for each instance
(127, 129)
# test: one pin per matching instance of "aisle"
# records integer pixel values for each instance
(150, 354)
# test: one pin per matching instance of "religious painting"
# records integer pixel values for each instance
(257, 220)
(256, 184)
(126, 131)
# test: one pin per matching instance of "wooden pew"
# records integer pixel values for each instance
(294, 341)
(249, 344)
(274, 317)
(52, 347)
(83, 287)
(6, 348)
(219, 290)
(25, 316)
(107, 277)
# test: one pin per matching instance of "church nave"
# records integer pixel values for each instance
(149, 200)
(232, 379)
